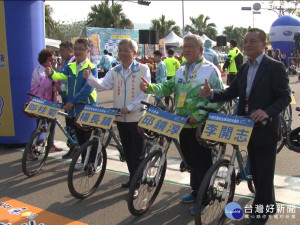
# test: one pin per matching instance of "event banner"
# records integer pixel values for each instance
(228, 129)
(6, 111)
(162, 122)
(108, 38)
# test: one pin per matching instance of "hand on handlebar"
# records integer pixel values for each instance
(205, 91)
(124, 110)
(259, 115)
(192, 120)
(68, 106)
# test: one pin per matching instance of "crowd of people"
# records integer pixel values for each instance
(261, 84)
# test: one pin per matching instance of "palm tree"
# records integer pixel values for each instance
(201, 26)
(164, 26)
(104, 15)
(51, 26)
(236, 33)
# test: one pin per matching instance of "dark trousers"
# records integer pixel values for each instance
(132, 143)
(197, 157)
(82, 136)
(230, 78)
(262, 166)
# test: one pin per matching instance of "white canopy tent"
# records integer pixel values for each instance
(52, 42)
(188, 33)
(173, 40)
(204, 37)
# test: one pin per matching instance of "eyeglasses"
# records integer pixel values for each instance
(124, 51)
(80, 49)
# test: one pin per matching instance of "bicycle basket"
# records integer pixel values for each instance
(29, 115)
(202, 141)
(293, 140)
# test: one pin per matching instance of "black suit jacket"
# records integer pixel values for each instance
(270, 92)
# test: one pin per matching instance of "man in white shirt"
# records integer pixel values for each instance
(124, 79)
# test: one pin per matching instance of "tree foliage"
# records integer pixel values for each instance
(104, 15)
(200, 25)
(285, 6)
(164, 26)
(52, 29)
(236, 33)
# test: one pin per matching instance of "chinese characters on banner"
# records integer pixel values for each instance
(43, 108)
(162, 122)
(228, 129)
(97, 116)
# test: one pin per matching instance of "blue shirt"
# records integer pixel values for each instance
(252, 72)
(161, 72)
(211, 56)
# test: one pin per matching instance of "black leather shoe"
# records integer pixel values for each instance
(69, 154)
(126, 184)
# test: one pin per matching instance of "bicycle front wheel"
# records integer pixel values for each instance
(146, 183)
(35, 154)
(210, 194)
(84, 181)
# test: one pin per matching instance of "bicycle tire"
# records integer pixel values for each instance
(84, 182)
(139, 204)
(35, 154)
(210, 195)
(283, 132)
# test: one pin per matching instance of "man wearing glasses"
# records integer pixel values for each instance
(124, 79)
(78, 89)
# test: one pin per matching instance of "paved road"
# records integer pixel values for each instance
(48, 190)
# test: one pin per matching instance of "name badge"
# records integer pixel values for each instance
(181, 99)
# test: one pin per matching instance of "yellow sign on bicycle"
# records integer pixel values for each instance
(228, 129)
(43, 108)
(162, 122)
(97, 116)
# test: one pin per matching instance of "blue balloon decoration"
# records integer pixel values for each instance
(282, 33)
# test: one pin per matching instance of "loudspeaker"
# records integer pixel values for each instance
(144, 36)
(154, 37)
(148, 37)
(221, 41)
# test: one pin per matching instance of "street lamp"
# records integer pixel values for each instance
(256, 7)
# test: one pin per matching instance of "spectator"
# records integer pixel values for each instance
(172, 64)
(210, 54)
(233, 61)
(161, 71)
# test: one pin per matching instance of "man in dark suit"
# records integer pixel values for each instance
(262, 86)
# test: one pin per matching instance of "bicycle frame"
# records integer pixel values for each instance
(96, 133)
(70, 138)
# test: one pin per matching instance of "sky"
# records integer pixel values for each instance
(222, 13)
